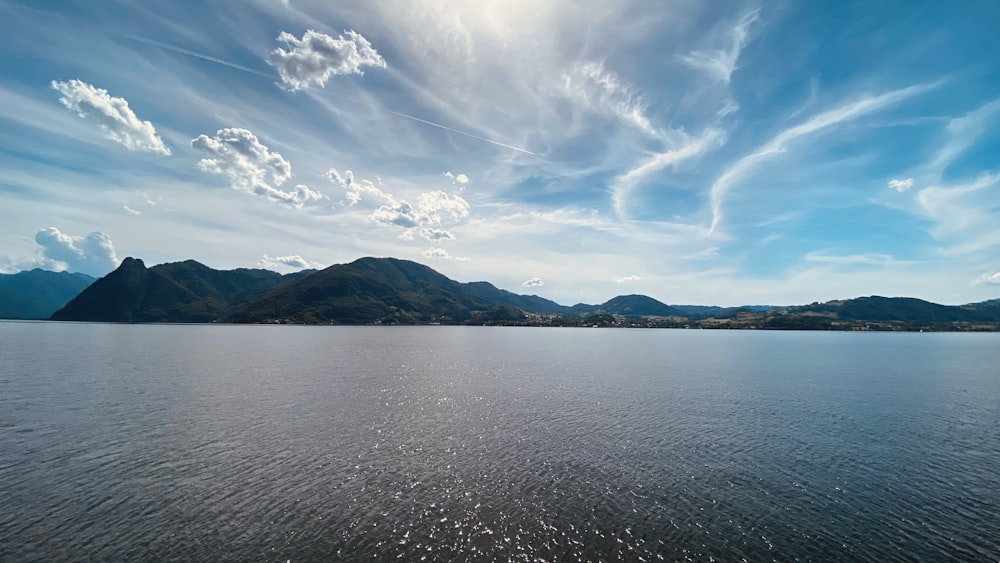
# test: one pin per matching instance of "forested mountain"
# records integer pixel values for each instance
(393, 291)
(37, 293)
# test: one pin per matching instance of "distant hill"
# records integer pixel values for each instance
(905, 309)
(37, 293)
(175, 292)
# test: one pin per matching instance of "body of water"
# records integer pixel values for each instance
(122, 442)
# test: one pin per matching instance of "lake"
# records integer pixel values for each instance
(171, 442)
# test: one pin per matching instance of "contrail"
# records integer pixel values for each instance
(195, 54)
(438, 125)
(216, 60)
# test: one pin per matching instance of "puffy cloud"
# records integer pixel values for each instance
(460, 179)
(316, 57)
(438, 206)
(115, 117)
(901, 185)
(92, 254)
(626, 279)
(399, 213)
(357, 190)
(249, 166)
(292, 261)
(533, 282)
(436, 234)
(436, 253)
(433, 209)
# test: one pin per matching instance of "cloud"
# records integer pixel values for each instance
(316, 57)
(92, 254)
(626, 279)
(436, 234)
(436, 253)
(292, 261)
(249, 166)
(779, 144)
(603, 91)
(114, 115)
(437, 207)
(433, 209)
(990, 279)
(901, 185)
(460, 179)
(871, 258)
(533, 282)
(131, 211)
(721, 63)
(691, 148)
(357, 190)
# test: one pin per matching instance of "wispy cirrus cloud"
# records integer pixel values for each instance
(720, 62)
(113, 114)
(818, 123)
(313, 59)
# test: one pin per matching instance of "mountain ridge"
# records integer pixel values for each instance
(373, 290)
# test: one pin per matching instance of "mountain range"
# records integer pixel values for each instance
(36, 294)
(393, 291)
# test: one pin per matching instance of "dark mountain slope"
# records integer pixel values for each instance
(37, 293)
(176, 292)
(366, 291)
(905, 309)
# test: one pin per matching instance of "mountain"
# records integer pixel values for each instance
(393, 291)
(37, 293)
(904, 309)
(386, 290)
(175, 292)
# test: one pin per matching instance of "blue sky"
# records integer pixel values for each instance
(697, 152)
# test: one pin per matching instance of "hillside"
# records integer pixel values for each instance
(37, 293)
(175, 292)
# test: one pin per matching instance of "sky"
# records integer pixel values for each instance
(721, 153)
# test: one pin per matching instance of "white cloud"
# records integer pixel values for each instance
(292, 261)
(114, 115)
(249, 166)
(436, 253)
(92, 254)
(779, 144)
(990, 279)
(901, 185)
(437, 207)
(533, 282)
(433, 209)
(436, 234)
(721, 63)
(691, 148)
(131, 211)
(460, 179)
(316, 57)
(601, 90)
(626, 279)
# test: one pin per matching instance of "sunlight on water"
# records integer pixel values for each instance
(457, 443)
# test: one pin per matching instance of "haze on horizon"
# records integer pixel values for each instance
(718, 153)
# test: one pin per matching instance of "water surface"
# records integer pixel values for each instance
(130, 442)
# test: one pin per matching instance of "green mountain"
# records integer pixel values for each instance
(391, 291)
(36, 294)
(176, 292)
(370, 290)
(628, 306)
